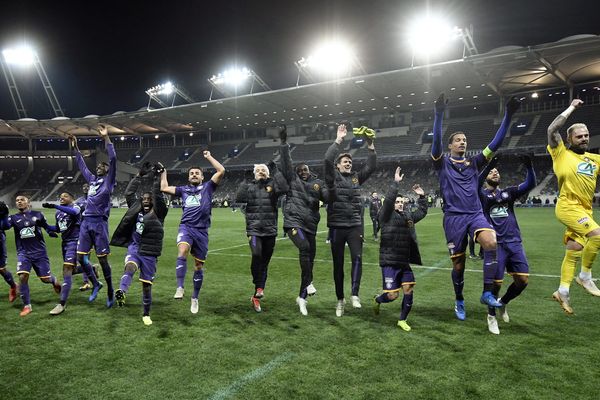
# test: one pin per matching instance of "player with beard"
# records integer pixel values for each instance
(68, 220)
(31, 247)
(301, 216)
(94, 226)
(141, 230)
(344, 215)
(196, 198)
(463, 215)
(576, 170)
(498, 207)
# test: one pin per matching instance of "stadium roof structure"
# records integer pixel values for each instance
(504, 71)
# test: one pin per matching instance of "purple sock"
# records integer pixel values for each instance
(181, 270)
(88, 271)
(383, 298)
(490, 266)
(8, 277)
(458, 280)
(126, 280)
(66, 288)
(407, 302)
(84, 276)
(198, 278)
(24, 289)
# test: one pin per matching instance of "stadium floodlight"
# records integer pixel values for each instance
(330, 59)
(233, 80)
(431, 34)
(158, 92)
(23, 55)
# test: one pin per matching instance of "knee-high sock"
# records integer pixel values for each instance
(88, 270)
(407, 302)
(495, 292)
(198, 278)
(146, 297)
(52, 280)
(383, 298)
(106, 271)
(588, 255)
(24, 289)
(513, 291)
(126, 280)
(490, 266)
(458, 280)
(84, 276)
(181, 270)
(8, 277)
(66, 288)
(567, 269)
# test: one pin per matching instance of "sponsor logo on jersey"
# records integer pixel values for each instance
(586, 168)
(139, 227)
(193, 201)
(583, 220)
(27, 233)
(63, 225)
(499, 212)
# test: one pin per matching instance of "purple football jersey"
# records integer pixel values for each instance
(101, 187)
(197, 204)
(498, 207)
(459, 184)
(29, 239)
(68, 225)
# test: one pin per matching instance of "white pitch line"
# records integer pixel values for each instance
(258, 373)
(372, 263)
(281, 238)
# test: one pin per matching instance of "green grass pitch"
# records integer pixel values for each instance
(229, 351)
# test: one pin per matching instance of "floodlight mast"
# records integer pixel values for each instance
(224, 82)
(27, 56)
(167, 89)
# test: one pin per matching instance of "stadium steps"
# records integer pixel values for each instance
(425, 149)
(514, 142)
(7, 193)
(537, 191)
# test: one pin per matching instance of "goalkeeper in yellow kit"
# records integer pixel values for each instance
(576, 170)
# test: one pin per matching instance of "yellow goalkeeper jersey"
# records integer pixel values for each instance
(576, 174)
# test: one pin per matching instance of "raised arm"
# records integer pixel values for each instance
(160, 206)
(554, 138)
(287, 167)
(220, 169)
(164, 184)
(73, 210)
(529, 182)
(390, 198)
(331, 154)
(439, 108)
(422, 208)
(511, 108)
(112, 155)
(87, 175)
(131, 192)
(490, 166)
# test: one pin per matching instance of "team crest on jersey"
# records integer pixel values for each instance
(504, 195)
(355, 180)
(26, 233)
(467, 163)
(587, 167)
(316, 187)
(410, 223)
(269, 189)
(193, 201)
(294, 232)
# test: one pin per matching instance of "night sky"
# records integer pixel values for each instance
(102, 56)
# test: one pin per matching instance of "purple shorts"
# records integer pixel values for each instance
(458, 227)
(41, 265)
(197, 239)
(2, 253)
(145, 264)
(69, 252)
(93, 232)
(394, 278)
(511, 257)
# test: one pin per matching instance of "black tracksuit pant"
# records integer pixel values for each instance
(354, 237)
(307, 247)
(262, 250)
